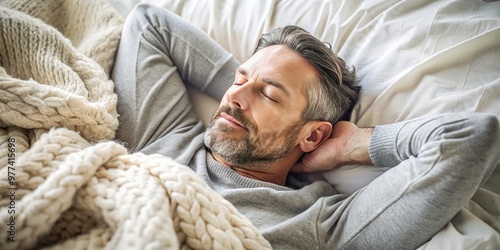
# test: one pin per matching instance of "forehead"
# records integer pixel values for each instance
(281, 64)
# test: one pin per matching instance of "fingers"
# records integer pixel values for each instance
(298, 168)
(306, 165)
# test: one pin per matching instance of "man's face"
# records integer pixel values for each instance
(259, 117)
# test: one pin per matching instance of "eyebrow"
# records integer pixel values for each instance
(268, 81)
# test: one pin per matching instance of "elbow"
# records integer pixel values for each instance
(488, 130)
(476, 135)
(488, 144)
(484, 148)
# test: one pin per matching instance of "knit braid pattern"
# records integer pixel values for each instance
(76, 188)
(45, 82)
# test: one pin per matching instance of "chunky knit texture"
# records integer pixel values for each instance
(74, 187)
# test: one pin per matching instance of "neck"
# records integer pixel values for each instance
(274, 172)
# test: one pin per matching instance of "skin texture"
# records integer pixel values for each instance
(258, 130)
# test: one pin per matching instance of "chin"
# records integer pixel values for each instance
(216, 134)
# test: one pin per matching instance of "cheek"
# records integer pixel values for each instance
(224, 100)
(269, 120)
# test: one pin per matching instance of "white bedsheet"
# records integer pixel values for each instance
(412, 58)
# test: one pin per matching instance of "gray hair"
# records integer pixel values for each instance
(334, 97)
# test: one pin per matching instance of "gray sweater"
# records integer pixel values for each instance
(436, 163)
(439, 159)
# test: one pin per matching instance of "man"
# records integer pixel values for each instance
(276, 116)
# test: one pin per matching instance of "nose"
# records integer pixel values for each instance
(239, 95)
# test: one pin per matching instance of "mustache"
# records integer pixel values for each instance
(236, 114)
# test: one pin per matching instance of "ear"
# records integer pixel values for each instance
(317, 133)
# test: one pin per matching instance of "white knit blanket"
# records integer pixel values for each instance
(64, 183)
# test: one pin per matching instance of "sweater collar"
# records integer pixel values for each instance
(242, 181)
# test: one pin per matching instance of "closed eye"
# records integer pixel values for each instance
(268, 97)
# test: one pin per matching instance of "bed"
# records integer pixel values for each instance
(412, 58)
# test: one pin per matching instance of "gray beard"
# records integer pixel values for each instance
(253, 150)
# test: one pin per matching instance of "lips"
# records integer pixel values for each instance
(231, 119)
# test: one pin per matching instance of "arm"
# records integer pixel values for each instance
(349, 144)
(200, 61)
(158, 53)
(437, 163)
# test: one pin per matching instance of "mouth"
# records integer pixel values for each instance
(229, 119)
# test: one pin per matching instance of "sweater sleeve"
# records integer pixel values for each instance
(159, 53)
(466, 134)
(436, 165)
(200, 61)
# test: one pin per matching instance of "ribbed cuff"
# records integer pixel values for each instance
(383, 145)
(223, 79)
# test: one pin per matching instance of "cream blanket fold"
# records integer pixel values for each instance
(64, 183)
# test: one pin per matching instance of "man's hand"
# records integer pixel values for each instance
(348, 144)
